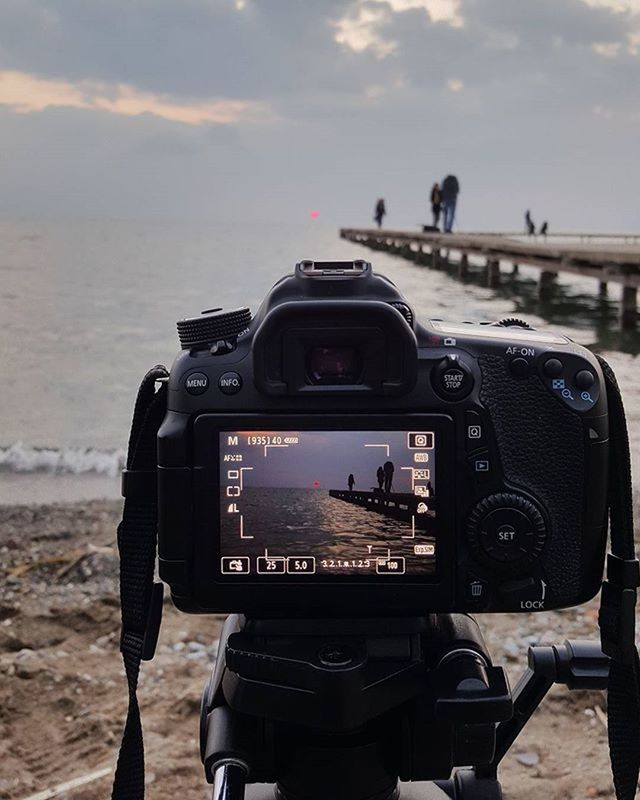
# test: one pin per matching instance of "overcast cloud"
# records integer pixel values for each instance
(267, 109)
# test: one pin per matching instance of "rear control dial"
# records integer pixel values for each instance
(506, 530)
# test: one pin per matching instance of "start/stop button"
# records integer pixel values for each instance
(452, 379)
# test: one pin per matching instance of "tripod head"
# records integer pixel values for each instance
(346, 708)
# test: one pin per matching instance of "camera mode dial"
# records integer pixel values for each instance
(506, 531)
(212, 326)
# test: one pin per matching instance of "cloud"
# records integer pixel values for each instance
(359, 30)
(528, 100)
(448, 11)
(26, 93)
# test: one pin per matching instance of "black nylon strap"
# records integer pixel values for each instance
(617, 605)
(137, 534)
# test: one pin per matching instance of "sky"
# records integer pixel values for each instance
(267, 110)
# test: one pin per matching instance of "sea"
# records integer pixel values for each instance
(342, 538)
(87, 306)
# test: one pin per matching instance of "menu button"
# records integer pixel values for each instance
(196, 383)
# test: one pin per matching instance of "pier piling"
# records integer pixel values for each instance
(546, 283)
(493, 273)
(628, 308)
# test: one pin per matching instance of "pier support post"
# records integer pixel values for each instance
(435, 258)
(515, 269)
(493, 273)
(545, 284)
(602, 288)
(628, 308)
(463, 266)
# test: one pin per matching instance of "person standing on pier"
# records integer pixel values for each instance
(351, 480)
(449, 192)
(530, 225)
(436, 203)
(380, 212)
(380, 477)
(388, 476)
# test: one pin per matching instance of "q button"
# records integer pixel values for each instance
(230, 383)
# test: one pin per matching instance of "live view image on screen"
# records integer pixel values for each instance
(353, 503)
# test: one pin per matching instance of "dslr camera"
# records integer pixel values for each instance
(335, 456)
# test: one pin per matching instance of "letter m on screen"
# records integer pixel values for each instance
(232, 440)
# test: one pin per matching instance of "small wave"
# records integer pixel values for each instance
(23, 458)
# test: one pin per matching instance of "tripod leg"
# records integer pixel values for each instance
(229, 781)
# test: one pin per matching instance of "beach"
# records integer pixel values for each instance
(63, 693)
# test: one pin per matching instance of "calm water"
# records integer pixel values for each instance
(308, 522)
(87, 307)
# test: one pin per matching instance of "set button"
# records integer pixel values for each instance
(506, 529)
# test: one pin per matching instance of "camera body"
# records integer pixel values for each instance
(335, 457)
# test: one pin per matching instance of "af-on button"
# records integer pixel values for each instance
(230, 383)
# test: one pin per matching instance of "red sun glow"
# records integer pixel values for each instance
(316, 483)
(314, 214)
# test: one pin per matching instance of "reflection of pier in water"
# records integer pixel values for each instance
(399, 505)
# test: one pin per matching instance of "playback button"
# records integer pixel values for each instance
(480, 464)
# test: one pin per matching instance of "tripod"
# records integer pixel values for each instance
(371, 709)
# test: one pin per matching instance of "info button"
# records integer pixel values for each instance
(230, 383)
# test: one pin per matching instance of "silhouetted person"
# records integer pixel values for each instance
(388, 476)
(380, 212)
(351, 480)
(449, 191)
(436, 203)
(531, 228)
(544, 228)
(380, 477)
(429, 488)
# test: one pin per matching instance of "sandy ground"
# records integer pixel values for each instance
(62, 689)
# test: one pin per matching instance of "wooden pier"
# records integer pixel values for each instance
(398, 505)
(580, 254)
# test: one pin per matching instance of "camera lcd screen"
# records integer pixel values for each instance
(327, 503)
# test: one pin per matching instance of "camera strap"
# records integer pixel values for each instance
(618, 602)
(141, 598)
